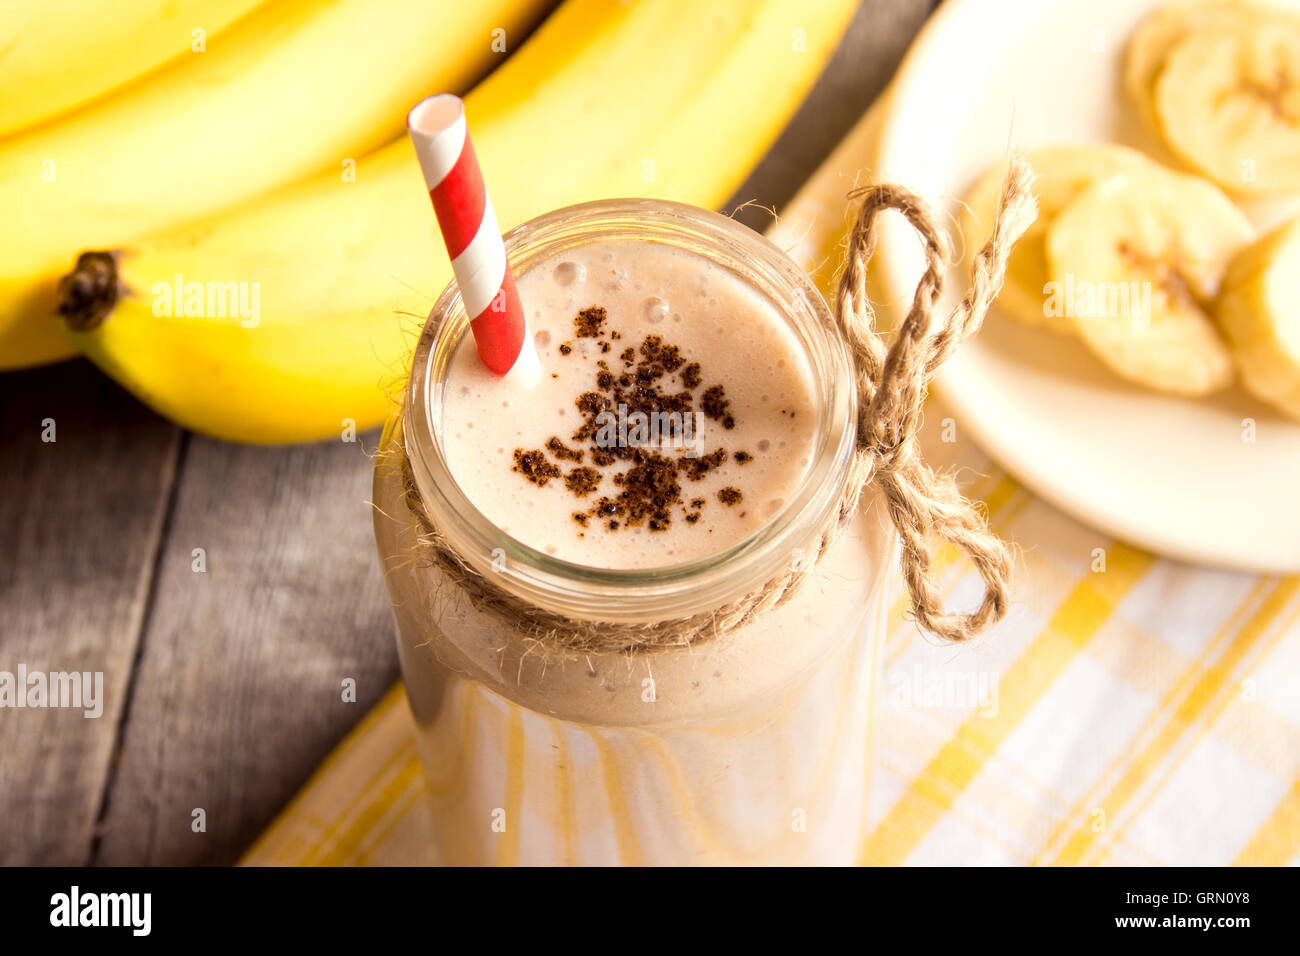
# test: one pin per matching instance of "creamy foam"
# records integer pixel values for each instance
(740, 342)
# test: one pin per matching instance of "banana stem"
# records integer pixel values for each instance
(88, 293)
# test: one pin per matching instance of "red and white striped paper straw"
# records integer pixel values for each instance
(472, 236)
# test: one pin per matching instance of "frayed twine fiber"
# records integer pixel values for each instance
(891, 383)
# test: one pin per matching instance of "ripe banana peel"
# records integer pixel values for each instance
(672, 98)
(292, 88)
(59, 54)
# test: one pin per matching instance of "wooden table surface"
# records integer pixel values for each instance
(224, 667)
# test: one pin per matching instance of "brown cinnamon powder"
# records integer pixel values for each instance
(656, 379)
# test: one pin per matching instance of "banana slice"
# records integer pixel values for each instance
(1228, 103)
(1259, 312)
(1157, 35)
(1133, 258)
(1062, 172)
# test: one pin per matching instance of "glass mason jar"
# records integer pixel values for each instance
(749, 746)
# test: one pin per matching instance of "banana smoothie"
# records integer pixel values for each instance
(673, 417)
(684, 446)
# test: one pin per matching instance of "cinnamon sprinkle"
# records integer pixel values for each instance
(534, 466)
(656, 380)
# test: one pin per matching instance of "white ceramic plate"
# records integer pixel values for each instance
(1172, 475)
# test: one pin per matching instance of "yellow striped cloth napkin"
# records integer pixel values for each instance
(1129, 710)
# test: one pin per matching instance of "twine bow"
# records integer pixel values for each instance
(892, 384)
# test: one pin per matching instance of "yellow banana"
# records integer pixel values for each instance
(1061, 174)
(1134, 261)
(1216, 79)
(290, 89)
(1170, 23)
(670, 98)
(60, 54)
(1259, 312)
(1228, 104)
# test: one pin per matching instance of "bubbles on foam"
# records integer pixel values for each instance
(617, 280)
(654, 309)
(570, 273)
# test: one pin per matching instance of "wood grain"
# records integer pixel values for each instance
(239, 691)
(80, 522)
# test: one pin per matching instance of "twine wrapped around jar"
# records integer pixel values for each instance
(891, 382)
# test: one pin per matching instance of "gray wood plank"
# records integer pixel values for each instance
(238, 696)
(80, 522)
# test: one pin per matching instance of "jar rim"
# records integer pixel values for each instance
(672, 590)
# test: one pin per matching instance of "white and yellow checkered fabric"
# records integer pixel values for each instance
(1129, 710)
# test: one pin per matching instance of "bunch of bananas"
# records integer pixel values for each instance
(1155, 270)
(282, 92)
(245, 245)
